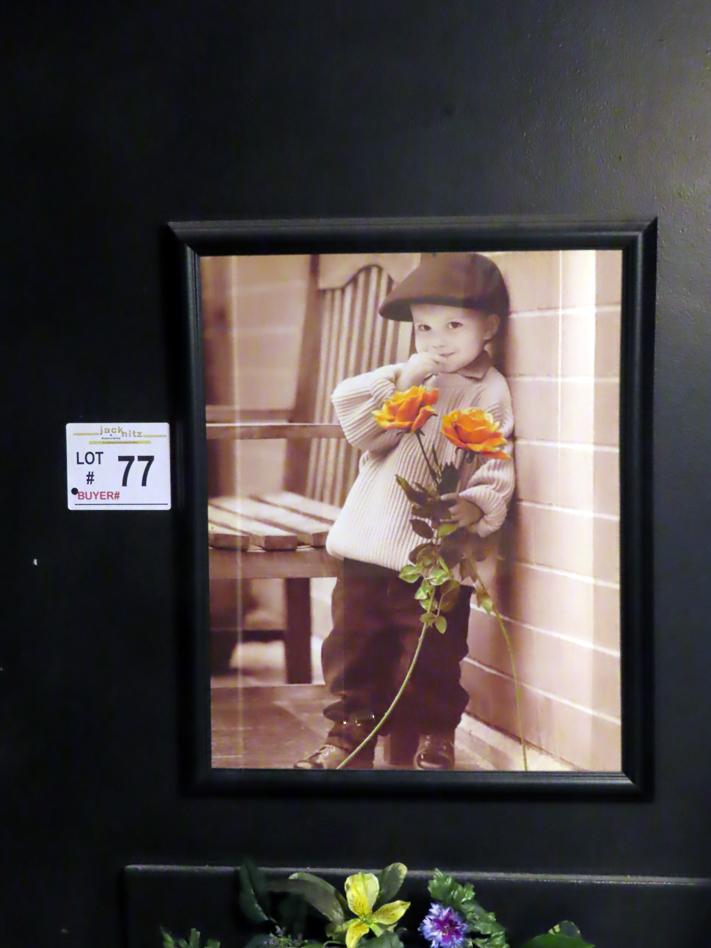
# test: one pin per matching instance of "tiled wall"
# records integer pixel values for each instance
(558, 581)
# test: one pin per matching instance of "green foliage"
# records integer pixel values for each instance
(193, 940)
(410, 573)
(566, 928)
(468, 569)
(440, 623)
(450, 478)
(424, 591)
(432, 509)
(443, 888)
(425, 554)
(277, 940)
(484, 601)
(413, 495)
(562, 935)
(320, 894)
(386, 940)
(390, 880)
(303, 889)
(449, 595)
(254, 896)
(291, 914)
(261, 941)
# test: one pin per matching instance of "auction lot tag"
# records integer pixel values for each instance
(118, 466)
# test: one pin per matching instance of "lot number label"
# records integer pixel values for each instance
(118, 466)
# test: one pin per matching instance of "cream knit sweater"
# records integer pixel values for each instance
(374, 523)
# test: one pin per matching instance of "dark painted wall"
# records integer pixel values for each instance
(119, 117)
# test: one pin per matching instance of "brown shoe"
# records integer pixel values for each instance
(435, 751)
(328, 757)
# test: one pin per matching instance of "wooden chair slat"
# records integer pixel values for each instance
(223, 537)
(291, 501)
(311, 532)
(267, 430)
(265, 535)
(305, 562)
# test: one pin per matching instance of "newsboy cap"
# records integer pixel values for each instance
(454, 279)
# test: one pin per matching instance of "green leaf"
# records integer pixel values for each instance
(424, 591)
(438, 577)
(410, 573)
(427, 619)
(386, 940)
(465, 570)
(566, 928)
(317, 892)
(446, 528)
(291, 914)
(413, 495)
(440, 623)
(448, 595)
(391, 879)
(553, 940)
(432, 509)
(260, 941)
(421, 528)
(424, 554)
(450, 553)
(168, 940)
(486, 603)
(450, 478)
(253, 895)
(212, 944)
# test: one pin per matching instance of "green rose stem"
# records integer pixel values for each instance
(517, 687)
(438, 464)
(418, 435)
(393, 703)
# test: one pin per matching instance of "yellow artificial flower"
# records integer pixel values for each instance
(362, 890)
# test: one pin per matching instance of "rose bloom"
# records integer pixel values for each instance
(474, 429)
(409, 410)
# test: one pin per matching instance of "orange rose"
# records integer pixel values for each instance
(408, 410)
(474, 430)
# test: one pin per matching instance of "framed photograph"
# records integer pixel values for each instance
(416, 484)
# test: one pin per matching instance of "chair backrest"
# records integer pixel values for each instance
(343, 336)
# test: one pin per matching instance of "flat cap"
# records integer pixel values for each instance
(452, 279)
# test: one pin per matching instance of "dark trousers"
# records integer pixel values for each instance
(376, 624)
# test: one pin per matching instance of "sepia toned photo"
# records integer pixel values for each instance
(413, 480)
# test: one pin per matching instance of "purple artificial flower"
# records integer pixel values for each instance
(443, 927)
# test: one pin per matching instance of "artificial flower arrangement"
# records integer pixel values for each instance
(448, 554)
(368, 914)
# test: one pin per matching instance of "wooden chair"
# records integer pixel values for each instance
(282, 535)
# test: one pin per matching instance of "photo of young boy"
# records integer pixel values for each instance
(456, 303)
(333, 382)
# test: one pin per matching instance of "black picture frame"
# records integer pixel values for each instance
(188, 241)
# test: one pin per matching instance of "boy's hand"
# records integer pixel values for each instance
(417, 368)
(464, 513)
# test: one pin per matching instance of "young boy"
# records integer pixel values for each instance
(457, 303)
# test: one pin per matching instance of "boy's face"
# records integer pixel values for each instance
(453, 334)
